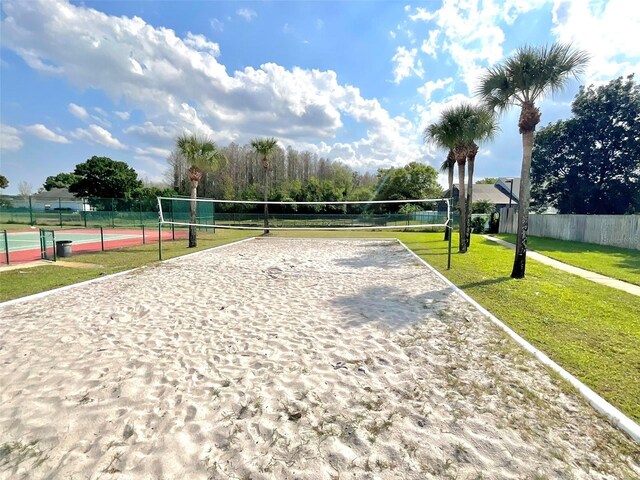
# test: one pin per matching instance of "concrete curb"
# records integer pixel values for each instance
(615, 416)
(113, 275)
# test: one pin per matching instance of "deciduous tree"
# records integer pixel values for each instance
(590, 163)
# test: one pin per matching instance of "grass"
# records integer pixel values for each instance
(614, 262)
(27, 281)
(589, 329)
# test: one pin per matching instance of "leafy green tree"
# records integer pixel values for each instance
(265, 148)
(487, 181)
(201, 154)
(590, 163)
(61, 180)
(101, 177)
(522, 80)
(4, 183)
(411, 182)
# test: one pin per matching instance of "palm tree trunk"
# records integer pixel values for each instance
(462, 243)
(266, 195)
(193, 218)
(450, 174)
(470, 165)
(520, 261)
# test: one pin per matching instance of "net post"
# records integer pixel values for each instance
(43, 254)
(144, 240)
(30, 211)
(102, 238)
(6, 244)
(449, 225)
(53, 239)
(159, 241)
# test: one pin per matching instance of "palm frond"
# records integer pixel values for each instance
(264, 146)
(529, 74)
(448, 163)
(200, 153)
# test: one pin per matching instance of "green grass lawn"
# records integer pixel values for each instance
(614, 262)
(591, 330)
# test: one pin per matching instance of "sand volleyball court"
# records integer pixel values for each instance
(285, 359)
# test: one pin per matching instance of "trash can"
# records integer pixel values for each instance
(63, 248)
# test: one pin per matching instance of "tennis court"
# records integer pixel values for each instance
(25, 245)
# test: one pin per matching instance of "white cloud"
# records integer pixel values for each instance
(122, 115)
(216, 25)
(10, 140)
(201, 44)
(153, 152)
(392, 34)
(152, 132)
(98, 135)
(431, 86)
(406, 64)
(78, 111)
(184, 88)
(430, 45)
(44, 133)
(246, 13)
(609, 32)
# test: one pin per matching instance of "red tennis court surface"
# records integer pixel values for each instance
(24, 245)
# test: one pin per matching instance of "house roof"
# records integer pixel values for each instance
(62, 193)
(488, 193)
(504, 184)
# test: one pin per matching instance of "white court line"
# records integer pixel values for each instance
(615, 416)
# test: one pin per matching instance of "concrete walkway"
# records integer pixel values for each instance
(581, 272)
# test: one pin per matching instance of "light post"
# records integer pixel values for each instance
(510, 180)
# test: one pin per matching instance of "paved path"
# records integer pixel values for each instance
(581, 272)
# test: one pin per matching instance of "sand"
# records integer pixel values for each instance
(285, 359)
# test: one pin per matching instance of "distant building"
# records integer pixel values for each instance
(498, 194)
(57, 199)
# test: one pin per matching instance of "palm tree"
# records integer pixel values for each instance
(482, 126)
(458, 129)
(265, 147)
(439, 134)
(201, 154)
(448, 167)
(522, 80)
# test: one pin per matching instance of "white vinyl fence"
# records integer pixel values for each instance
(615, 230)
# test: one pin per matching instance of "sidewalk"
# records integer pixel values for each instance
(592, 276)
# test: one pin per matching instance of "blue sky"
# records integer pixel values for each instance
(352, 81)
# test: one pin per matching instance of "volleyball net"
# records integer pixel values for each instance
(425, 213)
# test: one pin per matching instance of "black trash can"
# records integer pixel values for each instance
(63, 248)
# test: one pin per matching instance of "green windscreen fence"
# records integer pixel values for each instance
(85, 212)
